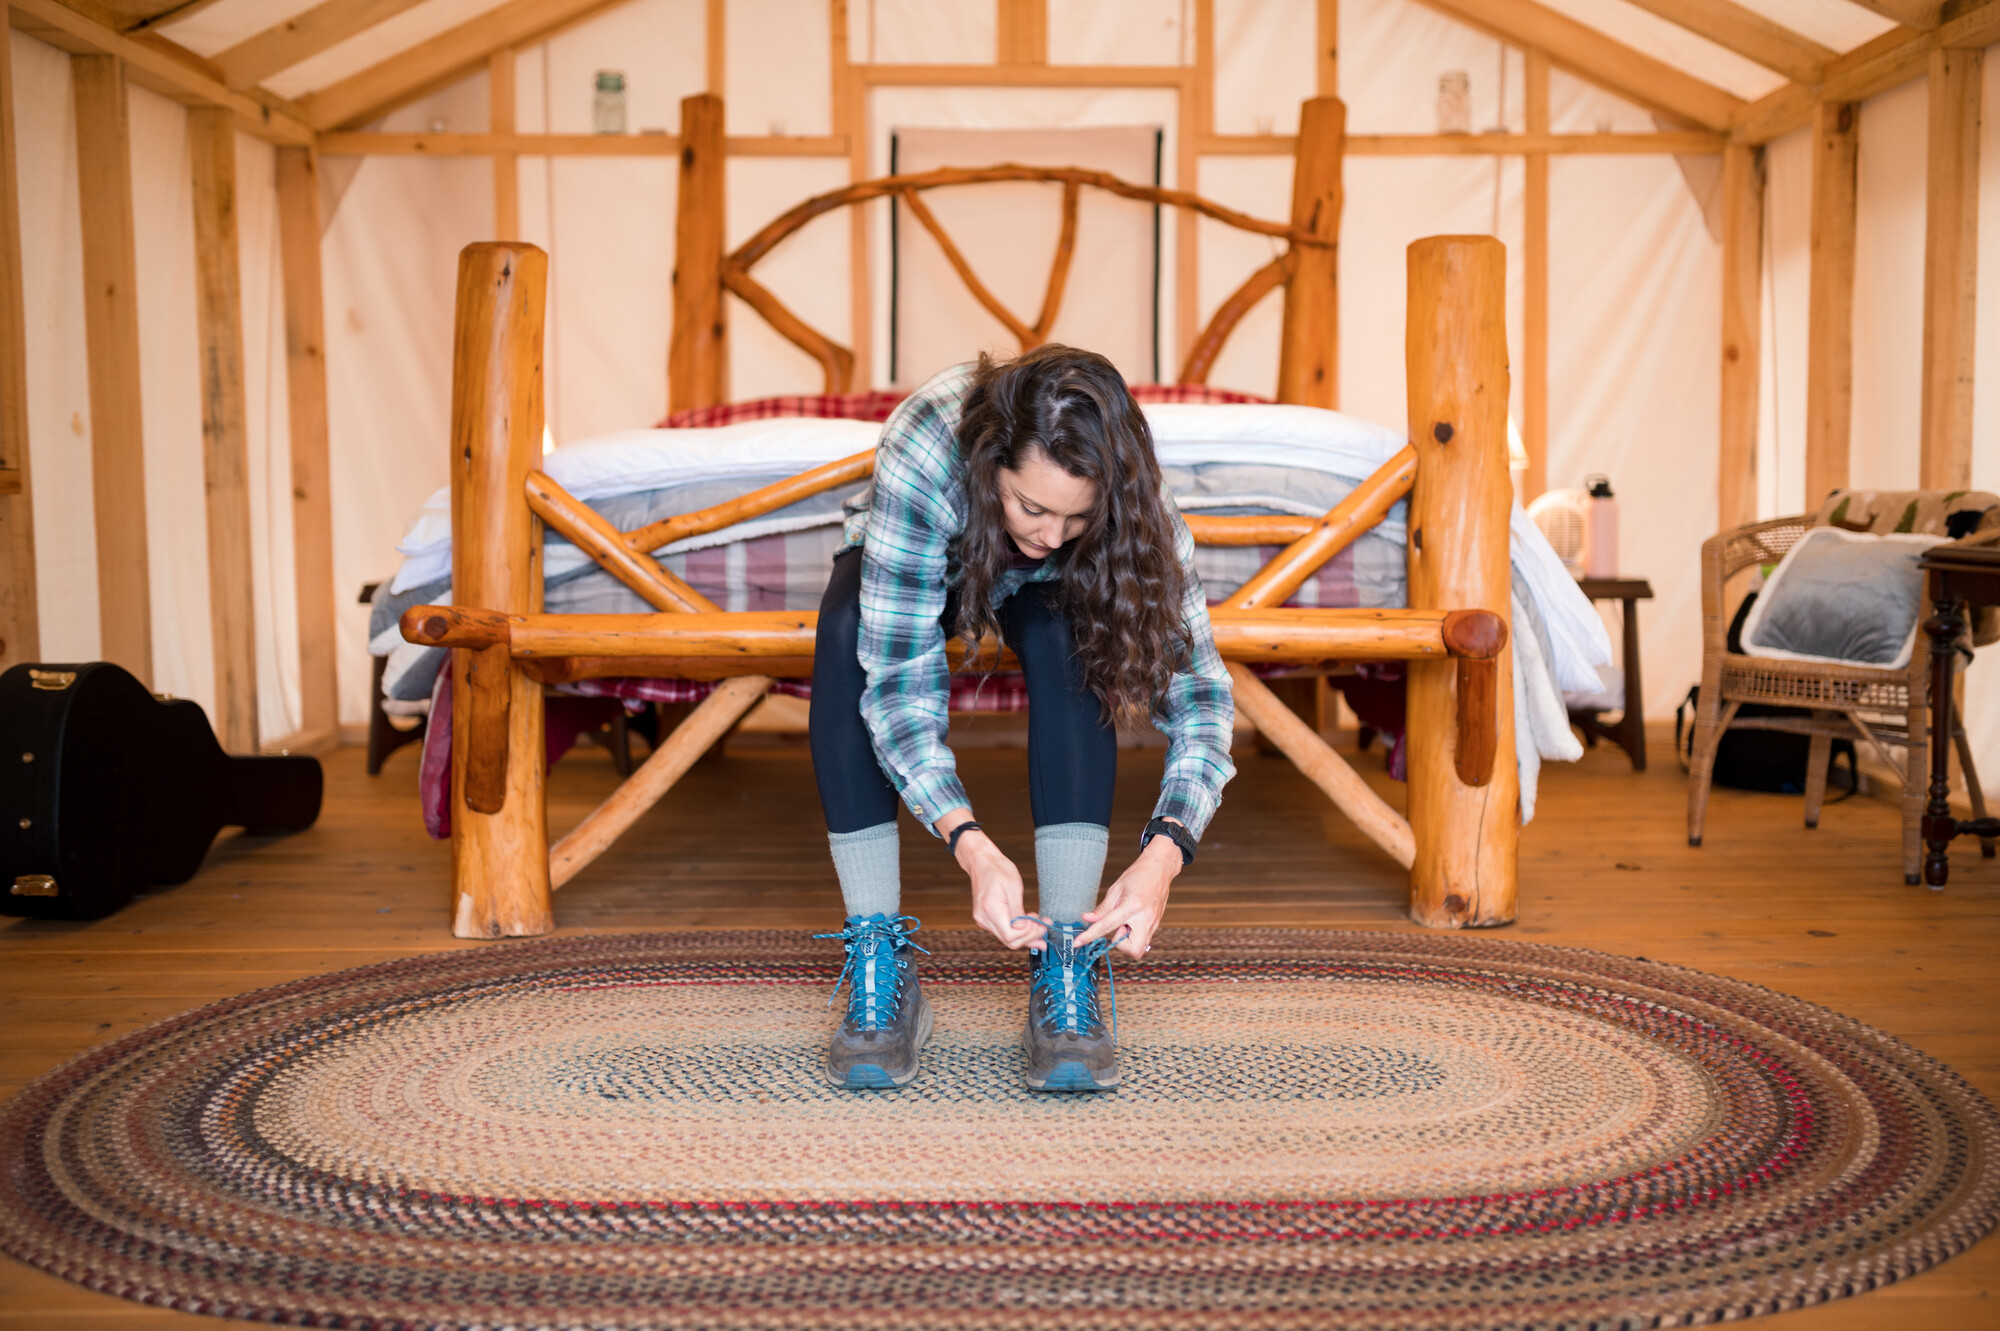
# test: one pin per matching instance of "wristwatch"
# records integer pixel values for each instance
(1175, 833)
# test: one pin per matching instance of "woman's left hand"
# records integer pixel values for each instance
(1131, 909)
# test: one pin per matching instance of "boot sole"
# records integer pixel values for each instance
(1071, 1076)
(872, 1076)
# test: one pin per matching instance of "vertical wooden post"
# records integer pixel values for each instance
(1326, 58)
(225, 432)
(20, 626)
(1309, 346)
(1830, 301)
(1535, 274)
(1456, 349)
(506, 165)
(1194, 120)
(499, 817)
(850, 122)
(1951, 268)
(1023, 32)
(715, 29)
(312, 480)
(111, 331)
(698, 359)
(1742, 307)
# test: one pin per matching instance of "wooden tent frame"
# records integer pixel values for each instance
(1459, 841)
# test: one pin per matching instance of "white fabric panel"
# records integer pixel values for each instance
(221, 25)
(1391, 54)
(1839, 27)
(170, 401)
(1982, 682)
(778, 71)
(1263, 64)
(388, 38)
(610, 293)
(1669, 42)
(659, 45)
(390, 265)
(1262, 187)
(923, 32)
(1781, 377)
(1018, 108)
(808, 271)
(266, 411)
(1889, 291)
(1392, 201)
(1131, 32)
(58, 365)
(1635, 287)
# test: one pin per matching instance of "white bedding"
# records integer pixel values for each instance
(1184, 434)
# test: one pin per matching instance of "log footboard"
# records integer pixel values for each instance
(1458, 840)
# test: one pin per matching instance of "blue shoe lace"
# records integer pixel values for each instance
(1066, 977)
(874, 980)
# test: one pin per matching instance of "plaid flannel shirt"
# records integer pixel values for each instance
(908, 522)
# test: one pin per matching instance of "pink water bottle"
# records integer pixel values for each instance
(1600, 530)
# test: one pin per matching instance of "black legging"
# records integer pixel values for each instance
(1072, 750)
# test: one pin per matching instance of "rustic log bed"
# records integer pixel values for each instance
(1460, 837)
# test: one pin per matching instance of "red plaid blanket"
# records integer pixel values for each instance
(876, 406)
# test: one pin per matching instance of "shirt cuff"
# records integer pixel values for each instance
(932, 797)
(1190, 802)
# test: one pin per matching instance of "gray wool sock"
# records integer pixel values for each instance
(870, 866)
(1069, 864)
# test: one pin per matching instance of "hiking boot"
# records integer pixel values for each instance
(1067, 1044)
(888, 1019)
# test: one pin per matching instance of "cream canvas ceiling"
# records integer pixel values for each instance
(217, 28)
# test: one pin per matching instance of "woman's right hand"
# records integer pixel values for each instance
(997, 892)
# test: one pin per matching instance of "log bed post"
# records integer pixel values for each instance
(698, 358)
(1456, 347)
(499, 822)
(1309, 345)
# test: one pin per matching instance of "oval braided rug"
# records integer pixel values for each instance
(1361, 1130)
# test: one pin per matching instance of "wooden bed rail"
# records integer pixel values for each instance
(750, 638)
(698, 356)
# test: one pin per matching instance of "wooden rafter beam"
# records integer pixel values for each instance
(157, 65)
(1589, 54)
(1894, 58)
(302, 36)
(1748, 33)
(1922, 15)
(446, 57)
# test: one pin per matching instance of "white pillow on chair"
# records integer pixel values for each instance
(1843, 598)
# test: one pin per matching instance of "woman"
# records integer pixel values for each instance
(1020, 497)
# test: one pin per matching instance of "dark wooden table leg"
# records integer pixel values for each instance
(1939, 827)
(1632, 726)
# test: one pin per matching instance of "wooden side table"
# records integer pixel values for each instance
(1959, 577)
(1630, 732)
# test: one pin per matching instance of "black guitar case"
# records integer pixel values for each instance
(105, 789)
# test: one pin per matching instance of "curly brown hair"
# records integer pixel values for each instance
(1121, 585)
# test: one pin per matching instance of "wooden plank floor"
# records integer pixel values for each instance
(1823, 915)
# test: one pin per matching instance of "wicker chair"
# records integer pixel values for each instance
(1882, 709)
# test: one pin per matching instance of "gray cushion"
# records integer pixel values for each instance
(1842, 598)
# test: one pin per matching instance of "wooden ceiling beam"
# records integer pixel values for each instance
(1894, 58)
(301, 37)
(1747, 33)
(1589, 54)
(1923, 15)
(443, 59)
(176, 74)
